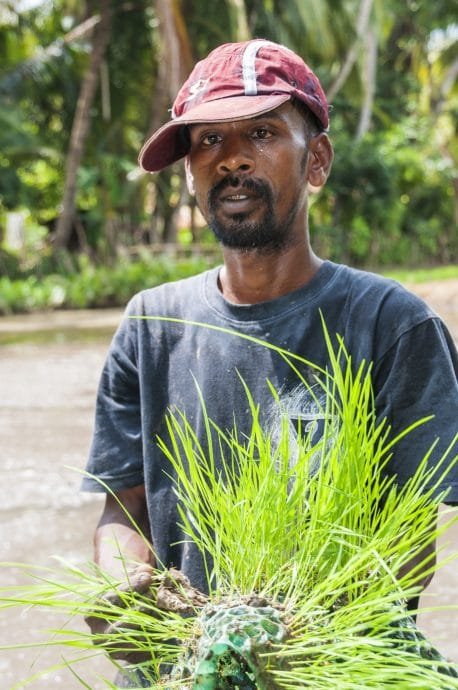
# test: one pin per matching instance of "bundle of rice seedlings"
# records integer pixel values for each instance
(305, 560)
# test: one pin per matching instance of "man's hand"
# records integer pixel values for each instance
(118, 621)
(111, 629)
(123, 535)
(148, 592)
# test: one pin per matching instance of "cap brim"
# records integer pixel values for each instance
(166, 145)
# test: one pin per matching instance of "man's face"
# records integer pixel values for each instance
(250, 178)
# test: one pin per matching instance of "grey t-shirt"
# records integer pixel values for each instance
(154, 365)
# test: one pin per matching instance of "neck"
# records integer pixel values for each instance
(250, 277)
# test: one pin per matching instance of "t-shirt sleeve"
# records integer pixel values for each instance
(416, 378)
(116, 454)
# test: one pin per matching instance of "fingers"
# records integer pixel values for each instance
(139, 582)
(115, 628)
(124, 641)
(141, 579)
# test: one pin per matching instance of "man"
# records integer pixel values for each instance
(251, 123)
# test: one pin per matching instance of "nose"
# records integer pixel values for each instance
(235, 157)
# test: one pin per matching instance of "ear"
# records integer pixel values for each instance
(319, 160)
(189, 176)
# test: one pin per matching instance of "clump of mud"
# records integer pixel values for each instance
(230, 641)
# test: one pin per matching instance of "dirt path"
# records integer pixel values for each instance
(442, 296)
(48, 388)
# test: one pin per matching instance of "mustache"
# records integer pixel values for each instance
(250, 184)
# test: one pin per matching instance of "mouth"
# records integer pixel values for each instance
(238, 202)
(236, 196)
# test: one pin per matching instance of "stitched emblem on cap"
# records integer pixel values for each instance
(196, 88)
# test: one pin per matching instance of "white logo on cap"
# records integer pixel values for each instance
(196, 88)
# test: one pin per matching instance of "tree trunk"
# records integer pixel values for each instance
(175, 59)
(239, 20)
(362, 24)
(369, 82)
(81, 123)
(175, 64)
(176, 53)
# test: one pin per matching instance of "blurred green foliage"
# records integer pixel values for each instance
(386, 203)
(85, 285)
(392, 197)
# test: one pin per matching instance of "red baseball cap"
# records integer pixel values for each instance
(235, 81)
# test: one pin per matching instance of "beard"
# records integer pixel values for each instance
(239, 232)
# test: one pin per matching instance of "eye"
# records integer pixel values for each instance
(262, 133)
(210, 139)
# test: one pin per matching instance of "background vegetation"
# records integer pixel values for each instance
(83, 83)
